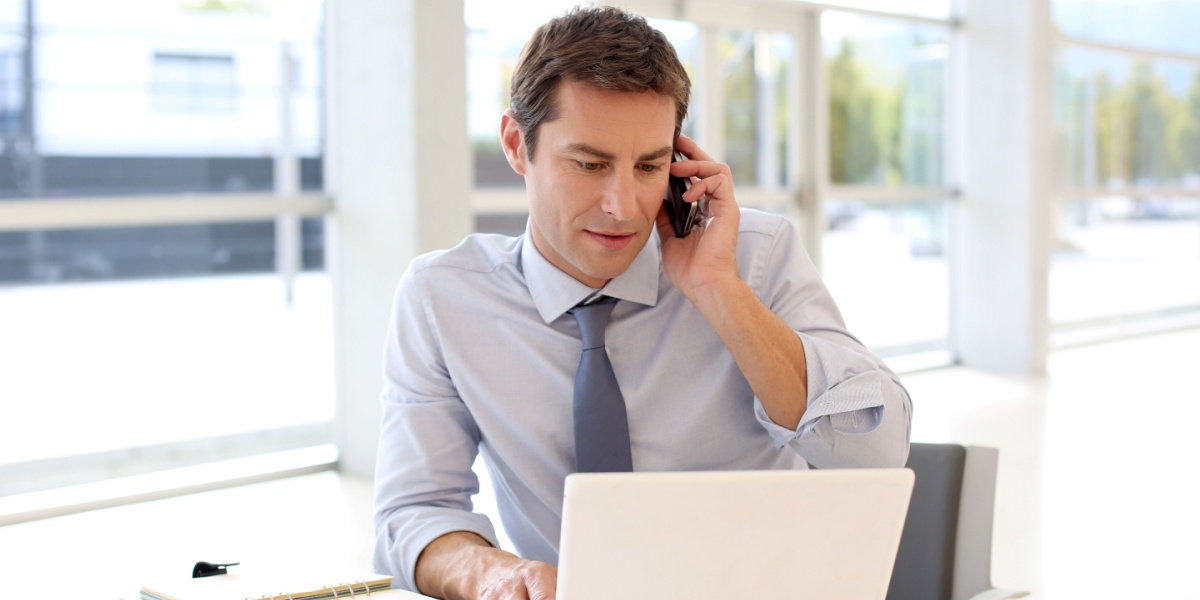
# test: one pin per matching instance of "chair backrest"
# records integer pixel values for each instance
(945, 551)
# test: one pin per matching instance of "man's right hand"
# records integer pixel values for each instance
(464, 566)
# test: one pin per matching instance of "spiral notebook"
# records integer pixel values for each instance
(276, 586)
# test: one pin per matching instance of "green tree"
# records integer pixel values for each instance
(1189, 139)
(1150, 107)
(854, 140)
(741, 109)
(918, 123)
(1144, 132)
(1112, 132)
(254, 7)
(1071, 102)
(868, 111)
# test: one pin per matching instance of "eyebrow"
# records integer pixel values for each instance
(603, 155)
(657, 154)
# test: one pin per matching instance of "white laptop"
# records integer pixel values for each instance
(828, 534)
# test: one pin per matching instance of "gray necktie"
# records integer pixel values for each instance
(601, 426)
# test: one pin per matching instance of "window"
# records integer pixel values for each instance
(754, 70)
(188, 83)
(887, 87)
(886, 265)
(1157, 24)
(1126, 251)
(159, 274)
(1123, 257)
(936, 9)
(885, 246)
(495, 36)
(11, 89)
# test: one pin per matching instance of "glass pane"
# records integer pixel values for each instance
(938, 9)
(887, 88)
(146, 97)
(1159, 24)
(13, 115)
(1121, 257)
(505, 223)
(160, 334)
(160, 359)
(495, 36)
(886, 267)
(754, 68)
(686, 39)
(193, 83)
(1125, 122)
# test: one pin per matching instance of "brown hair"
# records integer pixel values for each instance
(602, 46)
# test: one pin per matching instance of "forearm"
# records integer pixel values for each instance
(768, 352)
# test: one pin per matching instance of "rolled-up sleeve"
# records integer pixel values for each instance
(858, 413)
(428, 443)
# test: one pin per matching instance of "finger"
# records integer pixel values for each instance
(699, 168)
(542, 582)
(690, 148)
(542, 590)
(715, 186)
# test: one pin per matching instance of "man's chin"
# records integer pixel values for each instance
(601, 271)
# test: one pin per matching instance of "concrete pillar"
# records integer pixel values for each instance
(1006, 162)
(398, 164)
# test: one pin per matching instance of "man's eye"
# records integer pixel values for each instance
(590, 166)
(651, 168)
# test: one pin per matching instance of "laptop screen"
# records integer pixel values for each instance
(732, 534)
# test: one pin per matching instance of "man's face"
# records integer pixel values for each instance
(597, 179)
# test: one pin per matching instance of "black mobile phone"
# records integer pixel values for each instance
(684, 215)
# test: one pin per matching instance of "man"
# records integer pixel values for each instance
(727, 350)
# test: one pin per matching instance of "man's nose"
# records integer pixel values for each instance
(620, 197)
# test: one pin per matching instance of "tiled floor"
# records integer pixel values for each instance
(1097, 496)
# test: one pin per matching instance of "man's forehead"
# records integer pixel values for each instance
(601, 121)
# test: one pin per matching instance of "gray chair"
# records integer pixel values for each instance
(946, 549)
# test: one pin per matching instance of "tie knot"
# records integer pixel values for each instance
(593, 318)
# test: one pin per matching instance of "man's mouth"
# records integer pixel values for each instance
(611, 240)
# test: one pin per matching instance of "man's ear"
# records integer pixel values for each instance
(513, 142)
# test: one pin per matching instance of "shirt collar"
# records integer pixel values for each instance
(554, 292)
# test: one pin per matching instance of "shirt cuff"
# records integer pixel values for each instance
(852, 403)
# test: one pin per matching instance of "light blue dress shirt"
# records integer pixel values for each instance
(481, 357)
